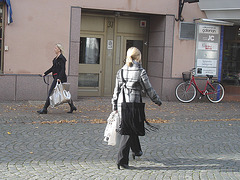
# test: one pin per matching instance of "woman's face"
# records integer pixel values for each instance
(57, 50)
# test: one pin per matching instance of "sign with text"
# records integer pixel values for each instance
(207, 62)
(207, 49)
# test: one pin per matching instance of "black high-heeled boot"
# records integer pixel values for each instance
(44, 109)
(137, 154)
(125, 166)
(72, 107)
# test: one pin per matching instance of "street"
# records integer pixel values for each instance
(198, 140)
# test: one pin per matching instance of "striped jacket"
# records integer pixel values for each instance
(136, 81)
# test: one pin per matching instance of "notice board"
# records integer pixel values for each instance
(207, 50)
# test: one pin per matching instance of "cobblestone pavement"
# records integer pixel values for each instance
(198, 140)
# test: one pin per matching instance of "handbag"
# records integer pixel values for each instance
(111, 136)
(133, 117)
(59, 95)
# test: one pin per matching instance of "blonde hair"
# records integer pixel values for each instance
(60, 47)
(133, 53)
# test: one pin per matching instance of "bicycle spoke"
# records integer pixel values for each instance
(215, 93)
(185, 92)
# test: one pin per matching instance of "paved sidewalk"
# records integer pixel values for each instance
(197, 140)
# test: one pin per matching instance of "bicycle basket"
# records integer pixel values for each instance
(186, 76)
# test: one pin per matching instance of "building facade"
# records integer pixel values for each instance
(227, 11)
(95, 36)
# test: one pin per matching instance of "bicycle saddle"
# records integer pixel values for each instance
(210, 76)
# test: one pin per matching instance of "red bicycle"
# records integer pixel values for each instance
(187, 90)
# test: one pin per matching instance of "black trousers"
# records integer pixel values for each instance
(52, 86)
(127, 142)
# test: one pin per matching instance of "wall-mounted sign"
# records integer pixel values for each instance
(109, 44)
(208, 46)
(207, 50)
(207, 62)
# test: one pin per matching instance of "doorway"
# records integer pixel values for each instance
(104, 40)
(90, 65)
(231, 63)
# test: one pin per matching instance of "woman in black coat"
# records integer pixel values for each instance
(59, 75)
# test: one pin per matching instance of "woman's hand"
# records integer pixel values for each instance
(58, 80)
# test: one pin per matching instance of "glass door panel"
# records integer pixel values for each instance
(89, 78)
(137, 42)
(89, 50)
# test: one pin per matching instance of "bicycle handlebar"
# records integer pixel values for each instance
(193, 71)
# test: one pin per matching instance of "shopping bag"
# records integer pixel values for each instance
(66, 86)
(133, 118)
(59, 95)
(111, 136)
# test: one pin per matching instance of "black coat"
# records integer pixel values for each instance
(58, 68)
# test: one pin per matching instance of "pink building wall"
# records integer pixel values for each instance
(40, 24)
(184, 50)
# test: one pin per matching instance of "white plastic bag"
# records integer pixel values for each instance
(59, 95)
(111, 136)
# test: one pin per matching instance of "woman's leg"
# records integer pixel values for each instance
(47, 103)
(52, 87)
(72, 107)
(135, 146)
(124, 148)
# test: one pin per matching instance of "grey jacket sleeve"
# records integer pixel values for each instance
(116, 92)
(146, 85)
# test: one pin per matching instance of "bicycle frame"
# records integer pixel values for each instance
(203, 92)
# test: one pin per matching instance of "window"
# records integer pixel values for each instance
(1, 36)
(231, 56)
(135, 43)
(238, 33)
(89, 50)
(187, 31)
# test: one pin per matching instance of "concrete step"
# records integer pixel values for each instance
(232, 93)
(232, 90)
(231, 97)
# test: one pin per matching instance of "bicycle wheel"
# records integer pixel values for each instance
(185, 92)
(216, 93)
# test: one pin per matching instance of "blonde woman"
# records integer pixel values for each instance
(135, 80)
(59, 75)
